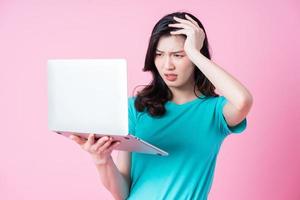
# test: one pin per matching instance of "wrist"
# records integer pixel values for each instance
(102, 162)
(193, 53)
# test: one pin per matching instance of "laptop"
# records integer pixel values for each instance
(90, 96)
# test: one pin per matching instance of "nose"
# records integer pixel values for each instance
(168, 64)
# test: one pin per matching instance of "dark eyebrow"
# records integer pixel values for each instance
(172, 52)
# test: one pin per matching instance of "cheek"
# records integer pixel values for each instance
(186, 65)
(157, 63)
(185, 61)
(187, 71)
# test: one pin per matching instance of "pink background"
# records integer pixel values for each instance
(256, 41)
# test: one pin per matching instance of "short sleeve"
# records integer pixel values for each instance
(221, 101)
(131, 116)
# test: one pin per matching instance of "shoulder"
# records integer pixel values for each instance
(132, 111)
(131, 97)
(230, 119)
(214, 101)
(131, 101)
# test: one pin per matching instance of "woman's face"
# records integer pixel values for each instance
(170, 58)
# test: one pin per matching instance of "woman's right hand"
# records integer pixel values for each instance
(100, 150)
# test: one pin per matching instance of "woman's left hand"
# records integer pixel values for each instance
(194, 34)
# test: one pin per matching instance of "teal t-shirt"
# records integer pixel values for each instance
(192, 134)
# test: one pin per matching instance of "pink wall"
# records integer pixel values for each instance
(256, 41)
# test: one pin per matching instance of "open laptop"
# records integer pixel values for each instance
(90, 96)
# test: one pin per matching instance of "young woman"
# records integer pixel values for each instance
(178, 112)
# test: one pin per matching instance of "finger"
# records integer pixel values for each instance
(91, 139)
(77, 139)
(104, 146)
(109, 149)
(192, 20)
(181, 31)
(180, 25)
(184, 21)
(100, 142)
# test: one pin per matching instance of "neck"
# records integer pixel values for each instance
(184, 94)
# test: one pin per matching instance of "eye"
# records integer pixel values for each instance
(158, 54)
(178, 56)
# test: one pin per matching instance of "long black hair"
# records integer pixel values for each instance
(156, 94)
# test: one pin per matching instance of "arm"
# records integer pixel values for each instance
(113, 180)
(239, 98)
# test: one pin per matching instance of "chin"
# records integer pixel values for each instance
(174, 84)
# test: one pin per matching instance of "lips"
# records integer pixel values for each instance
(170, 74)
(171, 77)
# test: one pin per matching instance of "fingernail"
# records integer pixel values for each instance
(71, 137)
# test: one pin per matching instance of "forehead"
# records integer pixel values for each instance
(171, 43)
